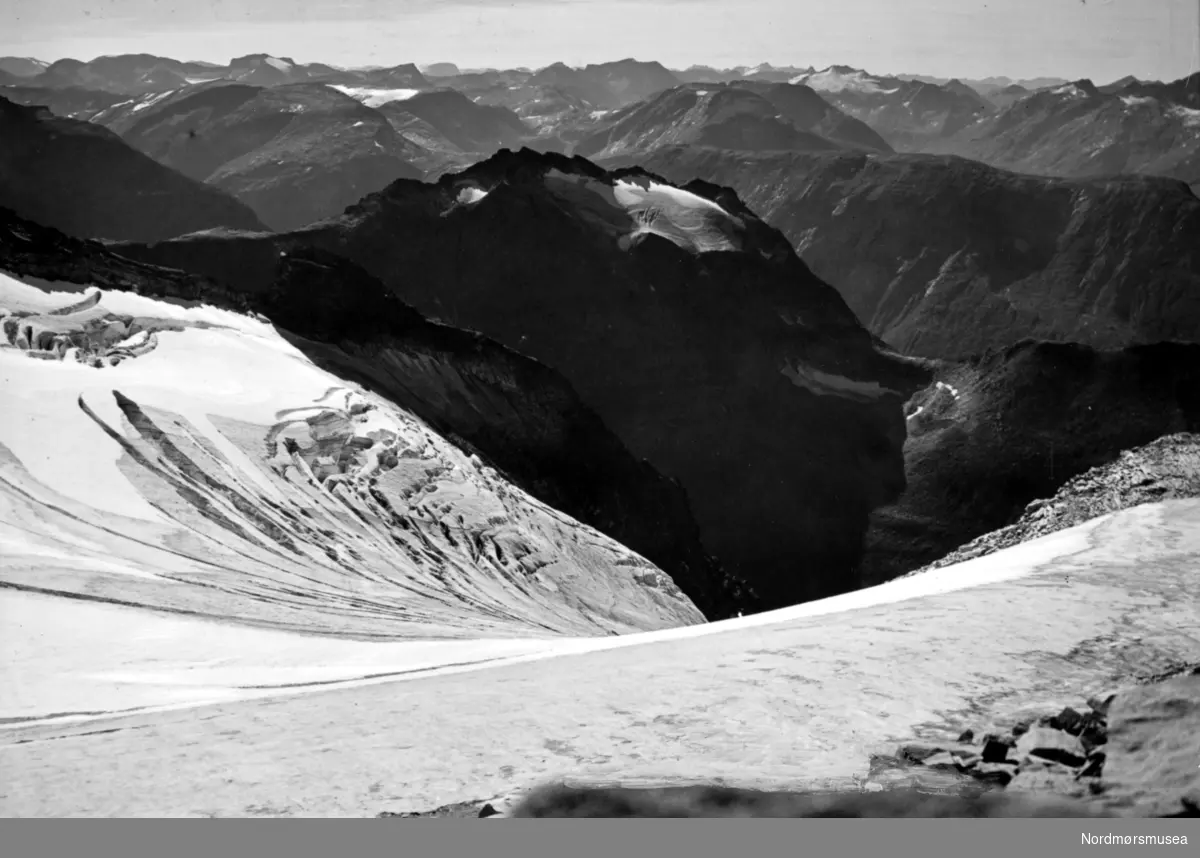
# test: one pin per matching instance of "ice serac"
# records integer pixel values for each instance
(175, 450)
(690, 326)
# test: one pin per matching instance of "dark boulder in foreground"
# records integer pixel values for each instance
(687, 323)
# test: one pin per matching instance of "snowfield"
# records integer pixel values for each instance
(215, 470)
(633, 207)
(206, 612)
(832, 80)
(372, 96)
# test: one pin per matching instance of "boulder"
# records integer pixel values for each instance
(1051, 744)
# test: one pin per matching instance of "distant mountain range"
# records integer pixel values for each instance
(1078, 129)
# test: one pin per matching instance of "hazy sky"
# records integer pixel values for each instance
(1100, 39)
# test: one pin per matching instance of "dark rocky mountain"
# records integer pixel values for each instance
(745, 115)
(555, 116)
(718, 115)
(7, 80)
(1119, 84)
(1080, 130)
(946, 257)
(1184, 92)
(689, 325)
(518, 415)
(1163, 470)
(22, 66)
(84, 180)
(1008, 95)
(1002, 430)
(905, 112)
(294, 153)
(607, 85)
(803, 107)
(471, 127)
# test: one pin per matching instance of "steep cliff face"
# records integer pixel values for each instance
(690, 326)
(997, 432)
(514, 428)
(944, 257)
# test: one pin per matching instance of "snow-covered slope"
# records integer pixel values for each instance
(190, 459)
(796, 696)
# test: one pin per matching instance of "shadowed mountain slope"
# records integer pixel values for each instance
(1003, 430)
(295, 153)
(687, 323)
(83, 179)
(945, 257)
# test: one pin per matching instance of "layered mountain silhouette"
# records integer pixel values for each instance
(747, 116)
(457, 541)
(133, 74)
(294, 153)
(946, 257)
(1001, 430)
(905, 112)
(469, 127)
(607, 85)
(84, 180)
(1079, 129)
(689, 325)
(72, 102)
(22, 66)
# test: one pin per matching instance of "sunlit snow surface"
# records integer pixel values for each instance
(192, 459)
(374, 96)
(630, 208)
(467, 683)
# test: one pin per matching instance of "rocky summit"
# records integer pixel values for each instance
(690, 326)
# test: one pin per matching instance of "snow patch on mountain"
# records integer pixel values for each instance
(150, 101)
(633, 207)
(833, 80)
(1189, 116)
(372, 96)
